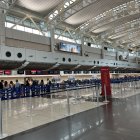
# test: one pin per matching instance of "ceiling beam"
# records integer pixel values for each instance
(12, 3)
(122, 29)
(20, 21)
(23, 12)
(134, 43)
(66, 9)
(130, 37)
(37, 27)
(110, 16)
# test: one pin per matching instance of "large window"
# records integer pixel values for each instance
(8, 24)
(27, 29)
(67, 39)
(111, 49)
(26, 26)
(21, 28)
(132, 54)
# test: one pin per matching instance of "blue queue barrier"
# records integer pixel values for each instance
(16, 93)
(22, 92)
(39, 90)
(8, 93)
(26, 91)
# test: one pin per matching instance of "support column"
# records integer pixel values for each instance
(137, 58)
(128, 56)
(82, 45)
(102, 53)
(117, 55)
(2, 25)
(52, 38)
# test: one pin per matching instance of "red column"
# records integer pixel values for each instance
(105, 81)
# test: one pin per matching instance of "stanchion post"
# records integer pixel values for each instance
(121, 89)
(51, 98)
(106, 101)
(118, 85)
(134, 87)
(2, 135)
(135, 83)
(68, 103)
(124, 87)
(40, 91)
(97, 94)
(94, 91)
(105, 93)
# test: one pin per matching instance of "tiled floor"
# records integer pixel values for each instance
(22, 114)
(27, 113)
(118, 120)
(125, 91)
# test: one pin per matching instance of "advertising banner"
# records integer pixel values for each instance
(105, 81)
(69, 48)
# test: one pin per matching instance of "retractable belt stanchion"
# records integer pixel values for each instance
(124, 87)
(2, 135)
(94, 92)
(118, 85)
(121, 82)
(68, 103)
(135, 80)
(51, 98)
(106, 101)
(138, 84)
(97, 94)
(134, 87)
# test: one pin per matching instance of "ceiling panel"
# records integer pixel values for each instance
(116, 23)
(93, 10)
(41, 6)
(44, 7)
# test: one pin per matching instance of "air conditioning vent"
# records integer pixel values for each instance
(8, 54)
(19, 55)
(69, 59)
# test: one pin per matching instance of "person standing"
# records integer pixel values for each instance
(17, 85)
(6, 86)
(42, 83)
(11, 84)
(49, 83)
(1, 85)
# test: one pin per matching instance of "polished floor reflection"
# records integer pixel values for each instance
(118, 120)
(23, 114)
(125, 90)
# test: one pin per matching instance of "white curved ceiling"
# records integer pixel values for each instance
(41, 6)
(93, 10)
(44, 7)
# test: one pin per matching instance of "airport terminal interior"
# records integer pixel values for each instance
(69, 70)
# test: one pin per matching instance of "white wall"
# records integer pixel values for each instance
(39, 48)
(20, 35)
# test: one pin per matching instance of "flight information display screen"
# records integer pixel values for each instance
(69, 48)
(20, 72)
(7, 72)
(53, 72)
(1, 72)
(33, 72)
